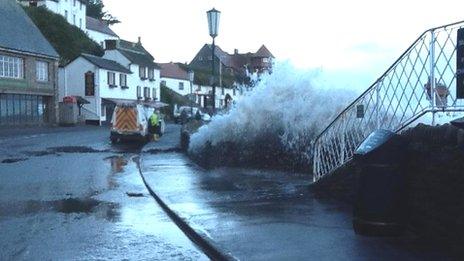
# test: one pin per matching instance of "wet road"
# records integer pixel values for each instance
(68, 194)
(269, 215)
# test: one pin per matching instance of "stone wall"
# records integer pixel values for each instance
(434, 173)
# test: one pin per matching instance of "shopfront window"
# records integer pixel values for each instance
(19, 109)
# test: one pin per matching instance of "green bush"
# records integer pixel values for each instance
(68, 40)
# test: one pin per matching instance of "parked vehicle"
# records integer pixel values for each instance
(190, 112)
(130, 122)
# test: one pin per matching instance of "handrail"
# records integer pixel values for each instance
(383, 75)
(402, 95)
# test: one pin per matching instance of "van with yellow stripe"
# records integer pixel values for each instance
(130, 122)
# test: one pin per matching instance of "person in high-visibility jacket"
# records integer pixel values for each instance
(153, 128)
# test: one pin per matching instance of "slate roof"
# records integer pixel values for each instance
(105, 63)
(99, 26)
(137, 54)
(140, 59)
(173, 70)
(263, 52)
(19, 33)
(238, 60)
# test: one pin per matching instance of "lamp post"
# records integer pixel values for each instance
(191, 74)
(213, 25)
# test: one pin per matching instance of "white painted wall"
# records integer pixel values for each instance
(74, 85)
(204, 90)
(173, 84)
(117, 56)
(74, 7)
(100, 37)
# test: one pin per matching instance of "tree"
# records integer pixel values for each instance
(68, 40)
(95, 10)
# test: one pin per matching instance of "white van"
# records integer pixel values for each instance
(130, 122)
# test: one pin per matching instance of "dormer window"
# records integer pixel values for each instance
(143, 73)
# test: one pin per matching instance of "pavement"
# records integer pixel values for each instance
(252, 214)
(69, 194)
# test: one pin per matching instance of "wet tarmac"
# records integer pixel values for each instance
(74, 196)
(270, 215)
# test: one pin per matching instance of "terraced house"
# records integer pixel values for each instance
(28, 70)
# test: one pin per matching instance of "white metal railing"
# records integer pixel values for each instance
(402, 95)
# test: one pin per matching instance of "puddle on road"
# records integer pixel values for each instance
(117, 163)
(135, 195)
(103, 209)
(13, 160)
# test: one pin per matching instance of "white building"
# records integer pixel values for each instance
(99, 81)
(176, 78)
(99, 31)
(73, 10)
(138, 60)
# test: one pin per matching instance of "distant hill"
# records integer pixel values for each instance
(68, 40)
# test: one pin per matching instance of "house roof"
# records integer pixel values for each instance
(134, 47)
(238, 60)
(263, 52)
(140, 59)
(136, 53)
(19, 33)
(105, 63)
(99, 26)
(173, 70)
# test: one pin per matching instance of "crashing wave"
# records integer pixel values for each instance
(275, 122)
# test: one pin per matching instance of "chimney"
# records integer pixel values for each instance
(140, 40)
(235, 51)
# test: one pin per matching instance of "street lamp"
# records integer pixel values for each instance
(191, 74)
(213, 26)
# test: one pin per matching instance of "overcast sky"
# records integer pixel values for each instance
(347, 35)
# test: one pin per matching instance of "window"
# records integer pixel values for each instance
(234, 92)
(163, 83)
(11, 67)
(142, 73)
(151, 74)
(80, 23)
(139, 92)
(74, 19)
(103, 110)
(265, 60)
(222, 90)
(153, 93)
(181, 85)
(146, 92)
(89, 84)
(123, 80)
(41, 71)
(66, 15)
(80, 5)
(74, 2)
(111, 79)
(20, 109)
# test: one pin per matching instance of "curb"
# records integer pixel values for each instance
(201, 241)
